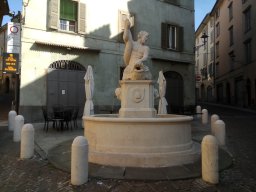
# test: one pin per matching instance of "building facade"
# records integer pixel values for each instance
(234, 61)
(204, 60)
(61, 38)
(9, 60)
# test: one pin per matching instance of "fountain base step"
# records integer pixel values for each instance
(162, 141)
(147, 160)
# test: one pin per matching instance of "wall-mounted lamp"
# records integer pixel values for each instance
(204, 38)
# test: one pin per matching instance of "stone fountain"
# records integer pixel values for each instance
(137, 136)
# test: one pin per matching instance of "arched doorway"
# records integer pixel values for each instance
(65, 84)
(174, 92)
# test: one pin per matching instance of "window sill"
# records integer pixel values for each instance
(170, 49)
(68, 32)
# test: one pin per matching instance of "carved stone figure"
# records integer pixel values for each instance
(135, 54)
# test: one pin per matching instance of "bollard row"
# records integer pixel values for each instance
(19, 122)
(25, 134)
(214, 118)
(210, 157)
(204, 116)
(11, 120)
(27, 142)
(79, 161)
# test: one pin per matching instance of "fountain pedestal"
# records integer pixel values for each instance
(137, 99)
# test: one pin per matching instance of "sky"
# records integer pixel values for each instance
(202, 7)
(14, 5)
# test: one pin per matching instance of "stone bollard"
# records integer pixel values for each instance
(214, 118)
(198, 111)
(204, 116)
(19, 122)
(220, 132)
(11, 120)
(210, 156)
(27, 141)
(79, 161)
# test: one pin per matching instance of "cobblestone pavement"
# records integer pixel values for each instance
(38, 175)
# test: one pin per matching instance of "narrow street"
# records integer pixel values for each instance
(240, 141)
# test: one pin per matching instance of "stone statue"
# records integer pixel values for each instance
(135, 54)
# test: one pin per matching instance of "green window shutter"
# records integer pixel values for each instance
(68, 10)
(53, 14)
(180, 37)
(164, 35)
(81, 18)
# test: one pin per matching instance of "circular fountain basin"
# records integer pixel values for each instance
(162, 141)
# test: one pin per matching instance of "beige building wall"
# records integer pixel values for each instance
(204, 55)
(99, 46)
(235, 64)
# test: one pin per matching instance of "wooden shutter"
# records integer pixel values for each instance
(164, 35)
(53, 14)
(180, 37)
(81, 18)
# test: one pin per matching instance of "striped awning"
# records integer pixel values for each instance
(68, 47)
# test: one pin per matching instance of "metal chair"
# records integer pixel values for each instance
(48, 117)
(74, 116)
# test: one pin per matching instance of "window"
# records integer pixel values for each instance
(172, 37)
(212, 53)
(205, 59)
(67, 15)
(230, 10)
(217, 69)
(248, 51)
(217, 13)
(247, 19)
(212, 36)
(210, 70)
(217, 49)
(231, 61)
(197, 66)
(211, 22)
(231, 36)
(217, 30)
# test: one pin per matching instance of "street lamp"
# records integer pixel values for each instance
(204, 38)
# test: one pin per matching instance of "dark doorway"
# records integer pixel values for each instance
(228, 94)
(220, 93)
(65, 84)
(202, 92)
(248, 90)
(239, 91)
(7, 85)
(209, 93)
(174, 92)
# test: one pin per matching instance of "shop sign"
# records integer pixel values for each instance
(10, 62)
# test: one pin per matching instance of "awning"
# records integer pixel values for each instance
(68, 47)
